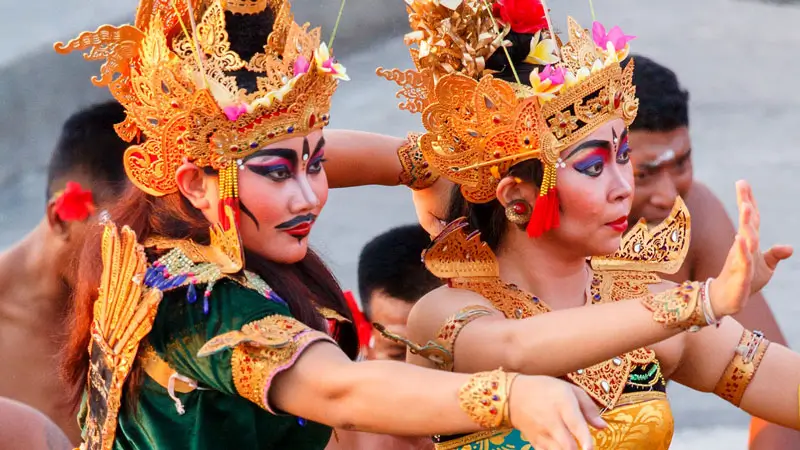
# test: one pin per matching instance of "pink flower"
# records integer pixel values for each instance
(74, 204)
(233, 112)
(616, 37)
(555, 75)
(301, 65)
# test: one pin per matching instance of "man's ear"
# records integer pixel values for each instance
(196, 186)
(512, 188)
(57, 226)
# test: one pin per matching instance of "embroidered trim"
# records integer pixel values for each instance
(679, 307)
(449, 332)
(417, 173)
(458, 443)
(262, 350)
(743, 366)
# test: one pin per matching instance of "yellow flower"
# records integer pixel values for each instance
(571, 79)
(544, 89)
(543, 51)
(326, 63)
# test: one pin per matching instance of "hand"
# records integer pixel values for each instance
(746, 269)
(432, 204)
(553, 414)
(765, 262)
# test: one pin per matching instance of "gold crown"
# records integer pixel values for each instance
(478, 126)
(173, 76)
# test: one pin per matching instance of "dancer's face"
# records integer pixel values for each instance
(595, 191)
(282, 190)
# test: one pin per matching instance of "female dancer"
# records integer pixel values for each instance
(533, 132)
(204, 315)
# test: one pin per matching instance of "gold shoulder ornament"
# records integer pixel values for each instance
(123, 315)
(261, 350)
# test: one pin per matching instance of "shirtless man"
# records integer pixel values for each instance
(391, 278)
(36, 271)
(662, 164)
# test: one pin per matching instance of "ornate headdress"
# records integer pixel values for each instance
(174, 71)
(479, 126)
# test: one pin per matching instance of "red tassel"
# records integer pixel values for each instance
(233, 203)
(545, 215)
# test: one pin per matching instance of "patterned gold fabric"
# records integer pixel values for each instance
(644, 425)
(630, 387)
(261, 350)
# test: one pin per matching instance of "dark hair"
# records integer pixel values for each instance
(663, 103)
(247, 34)
(89, 143)
(304, 285)
(391, 262)
(489, 218)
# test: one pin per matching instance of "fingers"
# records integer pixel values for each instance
(777, 254)
(575, 427)
(756, 213)
(745, 201)
(589, 409)
(561, 435)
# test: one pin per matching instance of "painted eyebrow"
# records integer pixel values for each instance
(590, 144)
(318, 147)
(286, 153)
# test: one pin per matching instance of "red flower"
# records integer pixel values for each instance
(74, 204)
(524, 16)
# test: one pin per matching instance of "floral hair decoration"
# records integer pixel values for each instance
(478, 126)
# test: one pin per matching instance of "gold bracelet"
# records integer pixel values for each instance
(417, 173)
(679, 307)
(485, 398)
(743, 366)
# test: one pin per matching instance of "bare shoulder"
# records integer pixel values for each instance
(712, 232)
(433, 309)
(705, 207)
(24, 427)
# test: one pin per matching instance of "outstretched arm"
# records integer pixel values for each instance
(400, 399)
(536, 345)
(770, 389)
(713, 232)
(712, 235)
(358, 158)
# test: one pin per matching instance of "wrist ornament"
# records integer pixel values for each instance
(485, 398)
(679, 307)
(417, 173)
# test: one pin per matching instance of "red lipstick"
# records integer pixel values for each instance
(300, 231)
(619, 225)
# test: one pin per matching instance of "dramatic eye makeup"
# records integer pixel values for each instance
(591, 157)
(623, 149)
(318, 157)
(282, 163)
(275, 163)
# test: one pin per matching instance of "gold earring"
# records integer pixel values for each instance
(519, 212)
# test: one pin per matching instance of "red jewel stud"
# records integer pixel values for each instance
(617, 99)
(519, 208)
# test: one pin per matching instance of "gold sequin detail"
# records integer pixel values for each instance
(255, 365)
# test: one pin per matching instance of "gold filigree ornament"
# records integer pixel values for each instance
(660, 249)
(479, 126)
(123, 315)
(173, 73)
